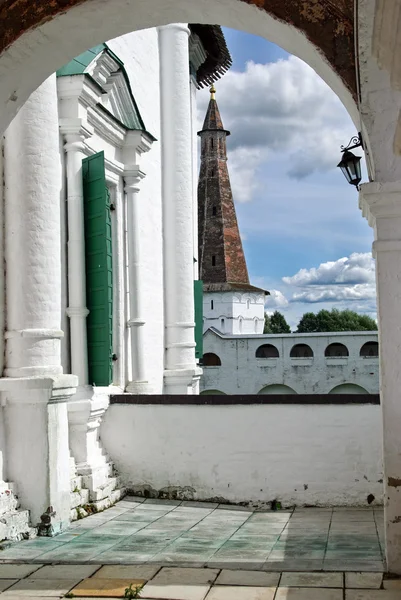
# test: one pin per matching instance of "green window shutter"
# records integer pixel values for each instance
(198, 294)
(99, 270)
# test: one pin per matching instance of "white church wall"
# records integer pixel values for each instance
(298, 454)
(242, 373)
(234, 313)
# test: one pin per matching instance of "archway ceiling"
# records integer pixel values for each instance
(328, 24)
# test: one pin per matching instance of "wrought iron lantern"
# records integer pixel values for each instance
(350, 164)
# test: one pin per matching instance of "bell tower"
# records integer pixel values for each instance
(231, 304)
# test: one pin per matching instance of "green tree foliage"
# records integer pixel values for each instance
(335, 320)
(276, 323)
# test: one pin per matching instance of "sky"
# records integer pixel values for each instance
(304, 238)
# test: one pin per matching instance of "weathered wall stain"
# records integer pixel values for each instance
(328, 25)
(394, 482)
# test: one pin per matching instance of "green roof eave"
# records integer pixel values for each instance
(78, 66)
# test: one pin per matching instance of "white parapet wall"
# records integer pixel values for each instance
(298, 454)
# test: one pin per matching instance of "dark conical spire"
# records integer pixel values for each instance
(213, 120)
(221, 256)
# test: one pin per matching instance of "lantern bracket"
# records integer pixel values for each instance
(355, 142)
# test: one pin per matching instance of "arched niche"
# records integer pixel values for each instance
(277, 388)
(212, 393)
(348, 388)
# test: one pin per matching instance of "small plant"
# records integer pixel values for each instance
(132, 592)
(69, 595)
(75, 490)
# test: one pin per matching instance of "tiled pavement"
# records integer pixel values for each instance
(190, 534)
(176, 583)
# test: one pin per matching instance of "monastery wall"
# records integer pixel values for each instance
(241, 372)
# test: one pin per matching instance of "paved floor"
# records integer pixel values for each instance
(190, 534)
(19, 581)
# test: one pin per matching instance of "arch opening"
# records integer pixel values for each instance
(52, 34)
(336, 350)
(211, 360)
(267, 351)
(370, 350)
(301, 351)
(212, 393)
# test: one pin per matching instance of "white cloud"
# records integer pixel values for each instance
(335, 294)
(276, 300)
(349, 279)
(281, 108)
(358, 268)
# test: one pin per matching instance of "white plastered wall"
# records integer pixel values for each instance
(242, 373)
(298, 454)
(242, 312)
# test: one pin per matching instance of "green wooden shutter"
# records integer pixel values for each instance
(99, 270)
(198, 296)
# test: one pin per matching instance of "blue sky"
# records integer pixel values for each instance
(303, 234)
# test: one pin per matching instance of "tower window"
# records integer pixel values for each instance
(211, 304)
(212, 173)
(213, 261)
(214, 211)
(211, 143)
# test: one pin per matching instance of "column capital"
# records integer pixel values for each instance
(183, 27)
(132, 177)
(75, 131)
(380, 201)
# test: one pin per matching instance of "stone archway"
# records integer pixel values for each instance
(37, 38)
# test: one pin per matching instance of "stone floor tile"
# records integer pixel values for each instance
(127, 572)
(175, 592)
(235, 507)
(363, 580)
(392, 584)
(292, 593)
(372, 595)
(41, 587)
(6, 583)
(65, 572)
(105, 588)
(191, 503)
(133, 498)
(248, 578)
(236, 565)
(226, 592)
(353, 565)
(323, 580)
(174, 576)
(17, 571)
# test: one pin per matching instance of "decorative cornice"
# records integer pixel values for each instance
(107, 127)
(380, 201)
(75, 128)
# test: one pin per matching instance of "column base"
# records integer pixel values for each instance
(139, 388)
(35, 411)
(98, 482)
(182, 381)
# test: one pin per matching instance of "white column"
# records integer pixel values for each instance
(32, 240)
(138, 384)
(181, 371)
(381, 204)
(34, 393)
(75, 134)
